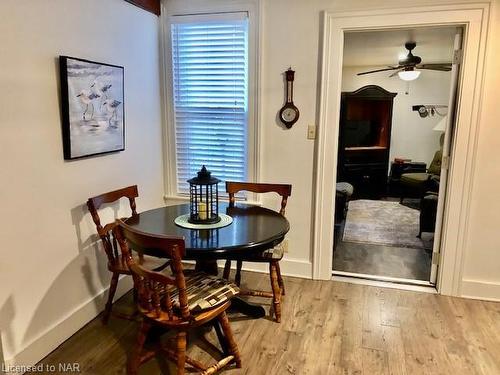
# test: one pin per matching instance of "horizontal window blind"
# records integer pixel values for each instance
(210, 65)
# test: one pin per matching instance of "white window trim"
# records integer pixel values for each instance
(199, 7)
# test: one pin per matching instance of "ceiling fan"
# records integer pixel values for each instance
(407, 65)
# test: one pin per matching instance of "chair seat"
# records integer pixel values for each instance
(414, 178)
(205, 291)
(344, 188)
(276, 253)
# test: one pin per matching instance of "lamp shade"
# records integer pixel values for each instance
(409, 75)
(441, 125)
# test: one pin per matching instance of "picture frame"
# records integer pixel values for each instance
(92, 103)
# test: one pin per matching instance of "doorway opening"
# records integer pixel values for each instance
(396, 114)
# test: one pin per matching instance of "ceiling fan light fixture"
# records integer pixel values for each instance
(409, 75)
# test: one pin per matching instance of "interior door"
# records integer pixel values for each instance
(450, 120)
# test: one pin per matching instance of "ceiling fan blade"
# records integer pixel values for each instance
(440, 67)
(379, 70)
(437, 64)
(436, 68)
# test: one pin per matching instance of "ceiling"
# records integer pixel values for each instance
(386, 47)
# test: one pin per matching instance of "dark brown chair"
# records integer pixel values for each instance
(271, 256)
(116, 264)
(178, 302)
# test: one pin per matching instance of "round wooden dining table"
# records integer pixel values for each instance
(254, 229)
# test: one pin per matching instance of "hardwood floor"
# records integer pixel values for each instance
(327, 328)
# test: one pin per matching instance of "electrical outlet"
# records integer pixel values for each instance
(285, 246)
(311, 132)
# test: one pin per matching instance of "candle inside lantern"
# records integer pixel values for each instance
(202, 211)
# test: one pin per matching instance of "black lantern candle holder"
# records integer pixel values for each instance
(203, 198)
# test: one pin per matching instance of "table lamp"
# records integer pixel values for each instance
(441, 125)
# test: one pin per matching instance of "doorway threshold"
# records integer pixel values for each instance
(384, 281)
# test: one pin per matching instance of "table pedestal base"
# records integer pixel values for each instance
(208, 266)
(237, 304)
(246, 308)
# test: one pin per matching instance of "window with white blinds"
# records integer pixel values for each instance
(210, 96)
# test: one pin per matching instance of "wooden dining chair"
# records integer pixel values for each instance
(116, 264)
(178, 302)
(271, 256)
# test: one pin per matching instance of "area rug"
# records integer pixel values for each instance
(382, 223)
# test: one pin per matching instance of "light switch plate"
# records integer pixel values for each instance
(311, 132)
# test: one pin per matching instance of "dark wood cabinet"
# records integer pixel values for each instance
(365, 139)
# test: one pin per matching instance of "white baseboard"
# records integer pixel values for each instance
(289, 267)
(59, 332)
(478, 289)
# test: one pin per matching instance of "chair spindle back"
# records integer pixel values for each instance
(105, 232)
(152, 287)
(284, 190)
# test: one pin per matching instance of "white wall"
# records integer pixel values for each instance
(291, 32)
(50, 268)
(290, 36)
(293, 40)
(288, 155)
(412, 137)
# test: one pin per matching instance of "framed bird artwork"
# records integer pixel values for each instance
(93, 120)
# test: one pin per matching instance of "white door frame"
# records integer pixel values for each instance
(446, 151)
(474, 18)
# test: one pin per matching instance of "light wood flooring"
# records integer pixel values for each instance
(328, 328)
